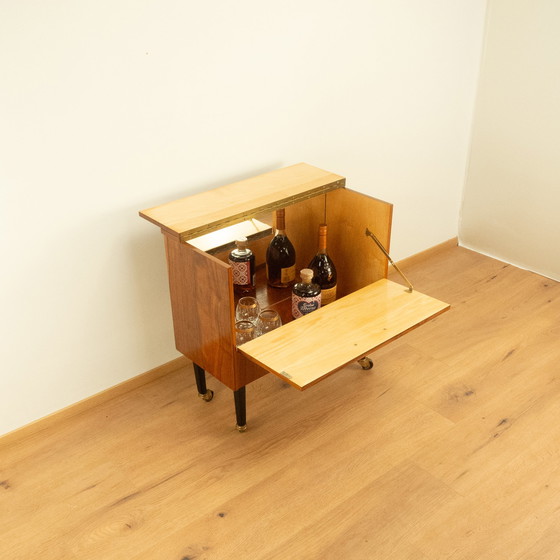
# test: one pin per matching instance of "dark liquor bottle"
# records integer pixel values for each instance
(306, 296)
(280, 256)
(242, 262)
(324, 271)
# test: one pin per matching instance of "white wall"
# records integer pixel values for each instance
(108, 107)
(511, 206)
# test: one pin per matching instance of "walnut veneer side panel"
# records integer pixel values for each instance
(358, 260)
(202, 306)
(247, 371)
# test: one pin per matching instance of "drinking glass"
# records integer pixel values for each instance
(248, 309)
(268, 320)
(244, 331)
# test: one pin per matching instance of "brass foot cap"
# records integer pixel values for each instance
(208, 396)
(241, 428)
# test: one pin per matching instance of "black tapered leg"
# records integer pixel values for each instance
(240, 409)
(203, 392)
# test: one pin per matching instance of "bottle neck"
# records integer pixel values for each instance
(280, 222)
(322, 238)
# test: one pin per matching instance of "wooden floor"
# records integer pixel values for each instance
(448, 449)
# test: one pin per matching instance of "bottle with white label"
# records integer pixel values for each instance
(306, 296)
(242, 262)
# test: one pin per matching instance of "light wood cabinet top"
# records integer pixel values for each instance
(211, 210)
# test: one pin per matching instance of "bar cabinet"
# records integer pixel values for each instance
(370, 310)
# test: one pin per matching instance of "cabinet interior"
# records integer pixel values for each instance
(347, 213)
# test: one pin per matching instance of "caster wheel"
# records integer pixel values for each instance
(366, 363)
(208, 396)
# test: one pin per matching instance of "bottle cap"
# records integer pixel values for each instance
(306, 275)
(241, 242)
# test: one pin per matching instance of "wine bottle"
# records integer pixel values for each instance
(324, 271)
(242, 262)
(280, 256)
(306, 296)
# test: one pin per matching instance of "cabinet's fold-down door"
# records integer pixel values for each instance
(310, 348)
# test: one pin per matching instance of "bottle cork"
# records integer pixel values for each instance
(306, 275)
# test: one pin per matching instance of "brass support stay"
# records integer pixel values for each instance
(385, 252)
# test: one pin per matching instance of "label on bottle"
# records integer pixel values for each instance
(328, 295)
(241, 272)
(288, 275)
(304, 305)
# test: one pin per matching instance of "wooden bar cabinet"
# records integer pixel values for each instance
(370, 311)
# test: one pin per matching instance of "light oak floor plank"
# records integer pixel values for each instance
(448, 449)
